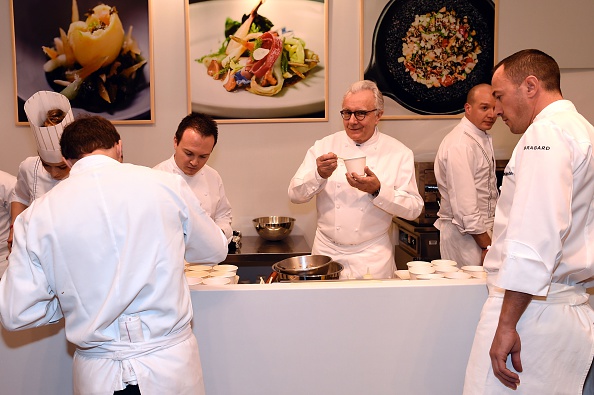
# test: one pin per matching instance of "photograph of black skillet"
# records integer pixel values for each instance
(394, 80)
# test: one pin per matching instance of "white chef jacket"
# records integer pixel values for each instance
(32, 181)
(76, 253)
(351, 222)
(543, 242)
(465, 173)
(7, 183)
(207, 184)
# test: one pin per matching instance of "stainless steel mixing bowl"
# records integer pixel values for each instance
(273, 228)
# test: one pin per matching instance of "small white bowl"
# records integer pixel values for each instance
(472, 269)
(418, 263)
(227, 268)
(222, 273)
(194, 280)
(457, 275)
(443, 262)
(193, 273)
(479, 274)
(445, 269)
(417, 270)
(402, 274)
(430, 276)
(204, 268)
(216, 281)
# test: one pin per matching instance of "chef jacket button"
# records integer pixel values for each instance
(338, 228)
(338, 206)
(338, 186)
(361, 209)
(356, 230)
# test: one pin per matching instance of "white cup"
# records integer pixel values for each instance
(356, 165)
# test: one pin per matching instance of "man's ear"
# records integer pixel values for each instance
(532, 85)
(119, 150)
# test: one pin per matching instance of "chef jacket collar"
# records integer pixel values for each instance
(372, 140)
(478, 132)
(554, 107)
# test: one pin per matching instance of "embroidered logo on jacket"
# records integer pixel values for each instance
(537, 147)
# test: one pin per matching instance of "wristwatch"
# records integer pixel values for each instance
(374, 194)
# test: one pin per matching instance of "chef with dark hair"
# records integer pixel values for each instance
(105, 250)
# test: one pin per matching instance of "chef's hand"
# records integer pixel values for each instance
(506, 341)
(368, 184)
(326, 164)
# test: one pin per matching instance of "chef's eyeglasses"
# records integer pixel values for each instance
(359, 115)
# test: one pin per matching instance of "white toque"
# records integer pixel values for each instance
(48, 137)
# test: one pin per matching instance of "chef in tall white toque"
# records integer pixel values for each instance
(48, 114)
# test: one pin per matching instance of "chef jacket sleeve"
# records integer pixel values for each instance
(26, 299)
(21, 192)
(306, 183)
(540, 216)
(205, 241)
(461, 165)
(222, 215)
(399, 193)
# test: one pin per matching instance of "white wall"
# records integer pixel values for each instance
(256, 160)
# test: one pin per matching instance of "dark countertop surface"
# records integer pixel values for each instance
(254, 249)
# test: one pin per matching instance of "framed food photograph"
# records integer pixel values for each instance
(425, 55)
(258, 61)
(98, 54)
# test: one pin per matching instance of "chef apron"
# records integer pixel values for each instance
(557, 339)
(375, 256)
(167, 365)
(459, 247)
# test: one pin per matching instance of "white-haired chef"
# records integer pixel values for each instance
(48, 114)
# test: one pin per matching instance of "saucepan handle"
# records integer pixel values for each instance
(272, 277)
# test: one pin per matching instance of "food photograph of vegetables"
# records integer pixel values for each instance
(96, 53)
(426, 54)
(258, 59)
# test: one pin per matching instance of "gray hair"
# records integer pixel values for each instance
(367, 85)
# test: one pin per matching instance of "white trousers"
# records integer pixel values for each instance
(557, 340)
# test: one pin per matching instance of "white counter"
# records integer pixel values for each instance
(356, 337)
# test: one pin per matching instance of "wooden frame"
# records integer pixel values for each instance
(305, 101)
(33, 29)
(372, 12)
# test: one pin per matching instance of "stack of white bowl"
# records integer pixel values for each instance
(439, 269)
(211, 274)
(222, 274)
